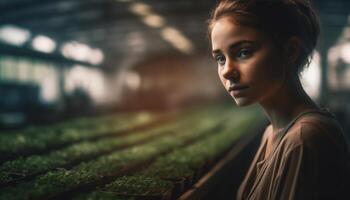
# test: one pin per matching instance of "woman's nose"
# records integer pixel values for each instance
(230, 72)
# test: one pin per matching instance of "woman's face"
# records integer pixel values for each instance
(249, 65)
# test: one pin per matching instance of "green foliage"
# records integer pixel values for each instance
(139, 185)
(181, 163)
(198, 137)
(55, 182)
(22, 167)
(41, 138)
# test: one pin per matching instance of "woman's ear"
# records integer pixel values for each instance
(292, 50)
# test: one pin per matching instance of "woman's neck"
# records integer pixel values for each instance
(285, 104)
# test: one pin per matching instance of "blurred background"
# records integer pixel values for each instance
(61, 59)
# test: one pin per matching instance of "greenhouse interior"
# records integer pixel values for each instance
(121, 99)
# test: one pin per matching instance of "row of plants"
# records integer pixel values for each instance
(39, 139)
(27, 167)
(112, 165)
(169, 175)
(43, 138)
(23, 167)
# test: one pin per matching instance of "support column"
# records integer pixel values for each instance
(324, 93)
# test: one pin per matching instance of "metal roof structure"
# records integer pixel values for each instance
(115, 27)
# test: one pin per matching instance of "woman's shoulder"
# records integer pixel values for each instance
(322, 120)
(317, 130)
(320, 125)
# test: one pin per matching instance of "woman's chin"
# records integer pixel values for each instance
(243, 101)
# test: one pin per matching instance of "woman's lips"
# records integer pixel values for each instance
(237, 87)
(237, 90)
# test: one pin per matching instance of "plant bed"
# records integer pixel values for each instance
(27, 168)
(41, 140)
(137, 186)
(59, 182)
(102, 195)
(38, 140)
(197, 158)
(181, 176)
(181, 166)
(141, 187)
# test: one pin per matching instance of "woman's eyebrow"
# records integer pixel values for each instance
(239, 43)
(216, 51)
(235, 45)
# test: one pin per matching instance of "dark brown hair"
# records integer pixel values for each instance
(280, 19)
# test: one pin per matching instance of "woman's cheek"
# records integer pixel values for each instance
(222, 79)
(262, 71)
(250, 73)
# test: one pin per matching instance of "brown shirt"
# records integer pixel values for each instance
(310, 161)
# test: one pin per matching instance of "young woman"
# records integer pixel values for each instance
(260, 47)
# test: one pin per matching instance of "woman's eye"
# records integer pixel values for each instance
(244, 53)
(220, 60)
